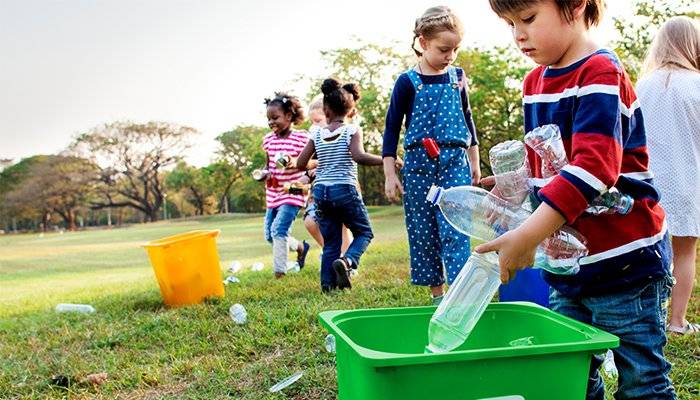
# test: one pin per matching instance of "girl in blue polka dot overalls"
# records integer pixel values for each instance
(440, 148)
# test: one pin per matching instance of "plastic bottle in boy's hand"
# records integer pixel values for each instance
(478, 213)
(511, 170)
(464, 303)
(546, 142)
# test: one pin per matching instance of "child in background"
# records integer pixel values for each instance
(339, 148)
(669, 95)
(318, 120)
(625, 280)
(432, 100)
(282, 206)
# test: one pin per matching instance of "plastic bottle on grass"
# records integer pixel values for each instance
(238, 314)
(478, 213)
(76, 308)
(464, 303)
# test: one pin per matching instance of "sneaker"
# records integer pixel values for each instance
(327, 288)
(301, 257)
(342, 273)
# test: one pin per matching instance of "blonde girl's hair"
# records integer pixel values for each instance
(316, 104)
(675, 46)
(433, 21)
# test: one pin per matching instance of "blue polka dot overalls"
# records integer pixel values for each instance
(437, 250)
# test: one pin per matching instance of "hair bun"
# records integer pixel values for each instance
(329, 86)
(353, 89)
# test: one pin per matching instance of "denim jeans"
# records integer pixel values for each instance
(278, 222)
(340, 205)
(638, 317)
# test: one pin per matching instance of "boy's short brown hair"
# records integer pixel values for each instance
(592, 15)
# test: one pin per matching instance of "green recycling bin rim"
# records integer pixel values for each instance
(595, 338)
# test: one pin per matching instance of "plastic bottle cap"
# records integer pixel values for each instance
(435, 194)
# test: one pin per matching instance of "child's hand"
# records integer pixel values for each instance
(476, 176)
(488, 181)
(392, 187)
(398, 163)
(304, 179)
(514, 253)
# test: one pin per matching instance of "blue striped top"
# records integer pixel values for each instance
(335, 163)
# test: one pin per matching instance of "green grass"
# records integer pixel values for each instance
(151, 352)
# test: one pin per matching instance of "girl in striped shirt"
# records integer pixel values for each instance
(339, 148)
(282, 146)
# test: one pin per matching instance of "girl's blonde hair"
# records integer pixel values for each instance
(676, 46)
(433, 21)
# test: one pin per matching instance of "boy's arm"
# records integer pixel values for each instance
(516, 249)
(357, 150)
(596, 148)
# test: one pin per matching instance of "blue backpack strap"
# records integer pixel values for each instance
(454, 81)
(415, 79)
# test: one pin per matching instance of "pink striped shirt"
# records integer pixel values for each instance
(291, 145)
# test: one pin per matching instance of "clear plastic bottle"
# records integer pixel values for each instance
(77, 308)
(238, 314)
(464, 303)
(511, 170)
(478, 213)
(611, 202)
(546, 141)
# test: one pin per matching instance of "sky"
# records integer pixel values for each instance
(68, 66)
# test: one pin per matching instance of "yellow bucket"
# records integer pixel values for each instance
(186, 267)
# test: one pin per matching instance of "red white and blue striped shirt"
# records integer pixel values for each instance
(291, 145)
(594, 104)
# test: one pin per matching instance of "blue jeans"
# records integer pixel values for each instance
(279, 220)
(339, 205)
(638, 317)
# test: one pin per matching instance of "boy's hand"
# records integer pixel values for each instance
(514, 253)
(392, 187)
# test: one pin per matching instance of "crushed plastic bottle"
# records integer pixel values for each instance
(238, 314)
(511, 170)
(330, 343)
(258, 266)
(478, 213)
(293, 266)
(286, 382)
(231, 279)
(235, 266)
(609, 366)
(547, 143)
(464, 302)
(76, 308)
(611, 202)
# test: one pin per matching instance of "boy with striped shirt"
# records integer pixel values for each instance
(625, 280)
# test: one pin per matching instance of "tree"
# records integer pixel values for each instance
(131, 158)
(12, 207)
(197, 183)
(240, 152)
(495, 79)
(636, 34)
(60, 184)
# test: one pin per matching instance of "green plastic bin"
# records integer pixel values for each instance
(380, 355)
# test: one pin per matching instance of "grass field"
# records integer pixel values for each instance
(151, 352)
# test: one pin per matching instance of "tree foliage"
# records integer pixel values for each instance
(131, 158)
